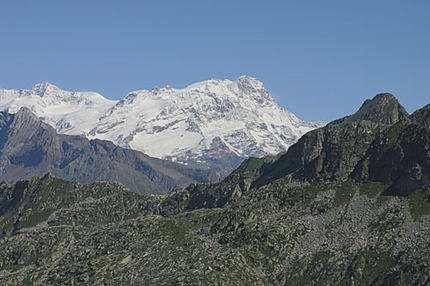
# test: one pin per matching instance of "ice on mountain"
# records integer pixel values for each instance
(205, 123)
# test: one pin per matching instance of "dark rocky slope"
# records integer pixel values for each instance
(333, 153)
(30, 147)
(361, 217)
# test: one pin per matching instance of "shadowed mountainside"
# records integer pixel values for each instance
(30, 147)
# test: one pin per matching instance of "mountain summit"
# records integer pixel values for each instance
(211, 124)
(334, 151)
(383, 108)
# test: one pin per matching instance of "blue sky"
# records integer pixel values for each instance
(318, 59)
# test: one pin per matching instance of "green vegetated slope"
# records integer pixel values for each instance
(332, 210)
(29, 147)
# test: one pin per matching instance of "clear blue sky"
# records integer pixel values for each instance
(319, 59)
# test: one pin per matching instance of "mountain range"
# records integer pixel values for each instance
(348, 204)
(30, 147)
(214, 124)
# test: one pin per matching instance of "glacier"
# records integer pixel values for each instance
(210, 124)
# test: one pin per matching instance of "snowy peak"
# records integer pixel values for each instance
(47, 94)
(52, 95)
(244, 86)
(249, 84)
(254, 88)
(67, 111)
(204, 122)
(44, 88)
(214, 123)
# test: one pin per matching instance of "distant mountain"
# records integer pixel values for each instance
(68, 112)
(348, 204)
(29, 147)
(211, 124)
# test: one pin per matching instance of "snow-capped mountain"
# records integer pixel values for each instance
(68, 112)
(214, 123)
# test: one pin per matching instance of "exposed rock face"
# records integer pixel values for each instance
(384, 108)
(400, 156)
(422, 116)
(333, 152)
(30, 147)
(361, 217)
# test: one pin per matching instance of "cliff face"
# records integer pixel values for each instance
(348, 204)
(30, 147)
(400, 156)
(332, 152)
